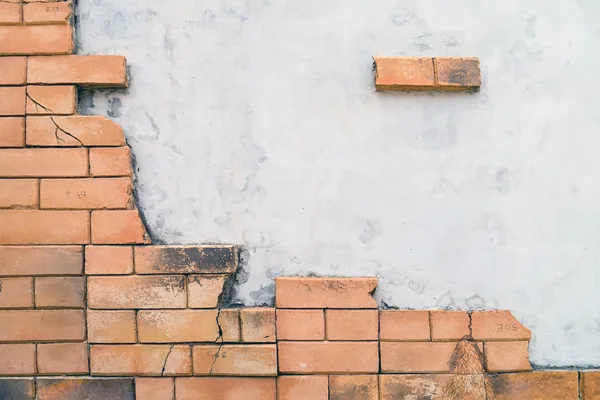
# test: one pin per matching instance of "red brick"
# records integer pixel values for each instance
(449, 325)
(52, 13)
(404, 73)
(10, 14)
(403, 325)
(352, 324)
(18, 193)
(507, 356)
(355, 387)
(32, 40)
(43, 227)
(411, 357)
(108, 260)
(111, 326)
(590, 385)
(226, 388)
(110, 161)
(42, 325)
(118, 227)
(534, 385)
(17, 359)
(204, 290)
(16, 163)
(456, 73)
(73, 130)
(16, 293)
(82, 70)
(325, 292)
(204, 259)
(44, 100)
(328, 357)
(140, 360)
(12, 131)
(116, 292)
(41, 260)
(12, 99)
(62, 292)
(497, 325)
(313, 387)
(13, 70)
(154, 388)
(235, 360)
(258, 325)
(86, 193)
(432, 386)
(62, 359)
(300, 325)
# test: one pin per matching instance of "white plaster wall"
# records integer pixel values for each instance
(255, 122)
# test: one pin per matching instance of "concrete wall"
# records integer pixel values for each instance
(256, 122)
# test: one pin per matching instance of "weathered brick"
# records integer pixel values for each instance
(39, 40)
(62, 359)
(43, 162)
(404, 325)
(432, 387)
(300, 324)
(41, 260)
(115, 292)
(12, 99)
(111, 326)
(328, 357)
(258, 325)
(17, 359)
(467, 358)
(12, 131)
(224, 388)
(232, 360)
(534, 385)
(140, 360)
(10, 13)
(85, 389)
(456, 73)
(118, 227)
(204, 290)
(188, 326)
(63, 292)
(108, 260)
(355, 387)
(73, 130)
(110, 161)
(154, 388)
(449, 325)
(294, 292)
(313, 387)
(13, 70)
(86, 193)
(17, 389)
(404, 73)
(44, 100)
(497, 325)
(208, 259)
(97, 70)
(590, 385)
(51, 13)
(507, 356)
(44, 227)
(352, 324)
(42, 325)
(18, 193)
(411, 357)
(16, 293)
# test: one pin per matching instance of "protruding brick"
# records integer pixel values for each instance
(12, 131)
(42, 326)
(314, 387)
(63, 292)
(86, 193)
(17, 389)
(590, 385)
(44, 227)
(17, 359)
(507, 356)
(352, 324)
(18, 193)
(404, 73)
(208, 259)
(404, 325)
(116, 292)
(40, 40)
(449, 325)
(110, 161)
(141, 360)
(16, 293)
(535, 385)
(328, 357)
(154, 388)
(10, 13)
(226, 388)
(355, 387)
(300, 325)
(232, 360)
(41, 260)
(456, 73)
(62, 359)
(13, 70)
(497, 325)
(50, 13)
(111, 326)
(97, 70)
(118, 227)
(204, 290)
(45, 100)
(434, 387)
(12, 99)
(16, 163)
(108, 260)
(295, 292)
(73, 130)
(85, 389)
(411, 357)
(258, 325)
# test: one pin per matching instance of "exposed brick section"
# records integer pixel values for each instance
(356, 387)
(411, 357)
(16, 163)
(10, 14)
(115, 292)
(118, 227)
(13, 70)
(12, 100)
(17, 389)
(507, 356)
(404, 325)
(45, 100)
(155, 389)
(17, 359)
(42, 326)
(590, 385)
(12, 132)
(44, 227)
(59, 292)
(352, 324)
(110, 161)
(300, 325)
(210, 259)
(435, 387)
(240, 360)
(32, 40)
(497, 325)
(19, 193)
(226, 388)
(82, 70)
(204, 290)
(146, 360)
(108, 260)
(73, 130)
(454, 73)
(325, 292)
(85, 389)
(111, 326)
(16, 293)
(314, 387)
(62, 359)
(88, 193)
(404, 73)
(51, 13)
(449, 325)
(535, 385)
(41, 260)
(258, 325)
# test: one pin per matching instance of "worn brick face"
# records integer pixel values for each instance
(432, 386)
(154, 388)
(456, 73)
(13, 70)
(18, 193)
(412, 357)
(240, 360)
(12, 99)
(111, 326)
(401, 325)
(45, 100)
(44, 227)
(16, 293)
(210, 259)
(85, 389)
(17, 389)
(497, 325)
(258, 325)
(86, 193)
(73, 130)
(41, 260)
(590, 385)
(226, 388)
(49, 13)
(110, 161)
(98, 70)
(352, 324)
(15, 163)
(300, 324)
(10, 14)
(507, 356)
(355, 387)
(61, 292)
(118, 227)
(42, 325)
(404, 73)
(138, 360)
(535, 385)
(314, 387)
(12, 131)
(17, 359)
(42, 40)
(449, 325)
(62, 359)
(108, 260)
(204, 290)
(325, 292)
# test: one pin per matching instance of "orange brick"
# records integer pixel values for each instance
(352, 324)
(43, 227)
(43, 162)
(300, 325)
(111, 326)
(456, 73)
(411, 357)
(226, 388)
(154, 389)
(535, 385)
(295, 292)
(44, 100)
(497, 325)
(313, 387)
(86, 193)
(118, 227)
(108, 260)
(232, 360)
(41, 260)
(115, 292)
(258, 325)
(188, 326)
(141, 360)
(82, 70)
(203, 259)
(13, 70)
(52, 13)
(449, 325)
(73, 130)
(84, 388)
(110, 161)
(403, 325)
(62, 358)
(16, 293)
(507, 356)
(18, 193)
(12, 100)
(63, 292)
(590, 385)
(328, 357)
(36, 40)
(356, 387)
(404, 73)
(12, 132)
(17, 359)
(42, 326)
(433, 386)
(204, 290)
(10, 13)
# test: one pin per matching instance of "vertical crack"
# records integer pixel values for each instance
(38, 104)
(58, 128)
(162, 373)
(470, 314)
(216, 356)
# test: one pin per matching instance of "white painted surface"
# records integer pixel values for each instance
(256, 122)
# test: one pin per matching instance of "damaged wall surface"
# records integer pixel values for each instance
(257, 123)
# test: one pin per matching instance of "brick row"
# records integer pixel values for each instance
(73, 131)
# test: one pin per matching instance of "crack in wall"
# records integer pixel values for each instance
(162, 372)
(37, 104)
(59, 128)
